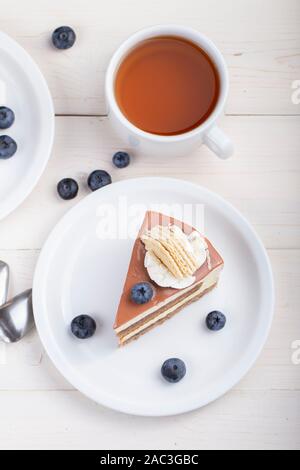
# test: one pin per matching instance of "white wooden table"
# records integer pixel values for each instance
(260, 40)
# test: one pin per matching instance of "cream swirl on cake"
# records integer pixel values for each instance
(172, 257)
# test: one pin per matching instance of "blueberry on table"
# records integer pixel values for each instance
(215, 321)
(67, 189)
(7, 117)
(142, 293)
(98, 179)
(63, 37)
(83, 326)
(8, 147)
(121, 159)
(173, 370)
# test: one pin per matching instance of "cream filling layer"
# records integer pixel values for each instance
(210, 280)
(194, 244)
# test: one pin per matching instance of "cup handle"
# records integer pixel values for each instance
(217, 141)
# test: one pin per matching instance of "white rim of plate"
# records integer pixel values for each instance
(20, 55)
(55, 353)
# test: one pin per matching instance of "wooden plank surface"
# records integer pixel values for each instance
(260, 40)
(262, 179)
(68, 420)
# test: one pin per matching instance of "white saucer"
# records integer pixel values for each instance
(24, 90)
(79, 273)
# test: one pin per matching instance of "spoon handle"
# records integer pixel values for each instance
(4, 279)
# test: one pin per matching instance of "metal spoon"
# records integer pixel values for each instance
(4, 279)
(16, 317)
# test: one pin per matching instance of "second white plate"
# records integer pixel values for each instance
(24, 89)
(80, 273)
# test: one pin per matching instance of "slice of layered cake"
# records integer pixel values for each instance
(172, 265)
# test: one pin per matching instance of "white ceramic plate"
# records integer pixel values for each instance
(79, 273)
(23, 88)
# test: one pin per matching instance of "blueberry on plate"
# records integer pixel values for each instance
(173, 370)
(142, 293)
(8, 147)
(7, 117)
(98, 179)
(215, 321)
(63, 37)
(83, 326)
(67, 189)
(121, 159)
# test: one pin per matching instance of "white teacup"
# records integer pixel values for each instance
(207, 133)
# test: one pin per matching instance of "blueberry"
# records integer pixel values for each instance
(7, 117)
(173, 370)
(98, 179)
(121, 159)
(8, 147)
(83, 326)
(67, 189)
(142, 293)
(215, 321)
(63, 37)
